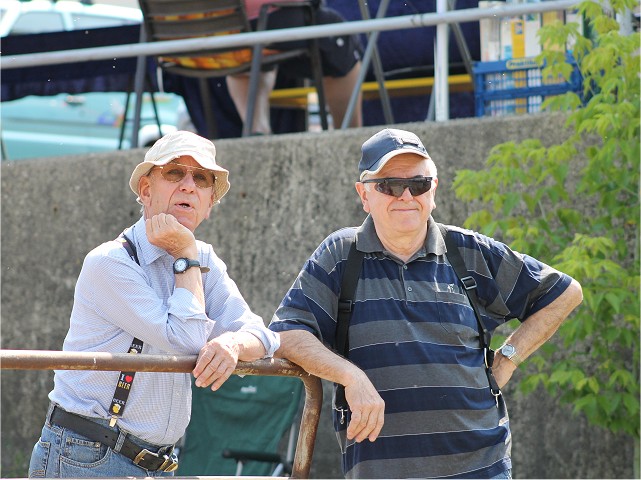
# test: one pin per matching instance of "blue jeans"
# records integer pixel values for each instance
(506, 475)
(62, 453)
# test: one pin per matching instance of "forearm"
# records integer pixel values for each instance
(250, 348)
(164, 231)
(192, 280)
(304, 349)
(366, 405)
(537, 329)
(218, 358)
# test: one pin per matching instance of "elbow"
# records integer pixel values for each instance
(290, 343)
(576, 292)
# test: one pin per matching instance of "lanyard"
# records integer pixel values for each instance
(125, 379)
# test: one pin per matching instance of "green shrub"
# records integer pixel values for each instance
(576, 206)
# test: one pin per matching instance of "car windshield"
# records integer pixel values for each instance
(81, 21)
(37, 22)
(78, 121)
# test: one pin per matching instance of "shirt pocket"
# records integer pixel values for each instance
(457, 317)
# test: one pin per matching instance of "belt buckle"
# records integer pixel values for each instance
(169, 465)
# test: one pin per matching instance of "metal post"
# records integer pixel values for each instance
(371, 54)
(139, 82)
(441, 67)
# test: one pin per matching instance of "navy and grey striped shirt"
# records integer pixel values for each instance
(414, 333)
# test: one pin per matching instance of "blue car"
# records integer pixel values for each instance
(66, 124)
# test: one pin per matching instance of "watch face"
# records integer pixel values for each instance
(508, 350)
(180, 265)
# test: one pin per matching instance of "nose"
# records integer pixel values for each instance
(187, 183)
(407, 196)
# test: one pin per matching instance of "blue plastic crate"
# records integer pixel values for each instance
(517, 86)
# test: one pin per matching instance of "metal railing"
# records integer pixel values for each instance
(57, 360)
(300, 33)
(441, 19)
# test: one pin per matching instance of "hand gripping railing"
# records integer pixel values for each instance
(56, 360)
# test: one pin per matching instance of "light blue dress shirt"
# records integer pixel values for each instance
(116, 300)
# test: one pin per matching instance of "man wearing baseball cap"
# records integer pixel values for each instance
(154, 290)
(417, 387)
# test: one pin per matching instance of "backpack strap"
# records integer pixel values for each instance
(351, 274)
(469, 285)
(125, 379)
(346, 301)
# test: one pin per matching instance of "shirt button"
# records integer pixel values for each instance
(404, 267)
(409, 289)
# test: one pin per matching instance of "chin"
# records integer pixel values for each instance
(409, 227)
(187, 223)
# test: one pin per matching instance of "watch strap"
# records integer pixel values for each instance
(514, 357)
(190, 263)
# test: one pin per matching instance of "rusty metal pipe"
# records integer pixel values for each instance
(57, 360)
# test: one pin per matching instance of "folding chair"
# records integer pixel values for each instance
(180, 19)
(242, 428)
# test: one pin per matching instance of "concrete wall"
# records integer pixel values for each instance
(288, 192)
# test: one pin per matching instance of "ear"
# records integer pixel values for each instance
(362, 193)
(144, 190)
(211, 205)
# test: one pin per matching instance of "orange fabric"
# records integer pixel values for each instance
(215, 61)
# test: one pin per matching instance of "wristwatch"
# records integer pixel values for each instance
(509, 351)
(181, 265)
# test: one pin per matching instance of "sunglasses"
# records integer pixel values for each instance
(396, 186)
(175, 172)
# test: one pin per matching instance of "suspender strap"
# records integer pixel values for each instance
(125, 379)
(469, 285)
(351, 273)
(129, 246)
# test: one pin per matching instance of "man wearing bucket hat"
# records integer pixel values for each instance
(154, 290)
(417, 395)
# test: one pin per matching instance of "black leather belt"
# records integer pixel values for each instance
(140, 456)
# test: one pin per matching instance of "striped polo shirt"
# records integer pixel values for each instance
(414, 333)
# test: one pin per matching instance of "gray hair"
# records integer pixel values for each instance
(431, 167)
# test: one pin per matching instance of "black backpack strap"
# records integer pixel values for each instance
(351, 273)
(469, 285)
(125, 379)
(346, 301)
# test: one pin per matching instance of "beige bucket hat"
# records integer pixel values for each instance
(177, 144)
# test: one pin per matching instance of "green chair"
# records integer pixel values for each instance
(241, 428)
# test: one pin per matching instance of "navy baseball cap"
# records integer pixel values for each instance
(386, 144)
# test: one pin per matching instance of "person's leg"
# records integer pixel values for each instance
(63, 453)
(238, 86)
(338, 91)
(340, 59)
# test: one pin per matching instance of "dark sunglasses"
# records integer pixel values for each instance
(175, 172)
(396, 186)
